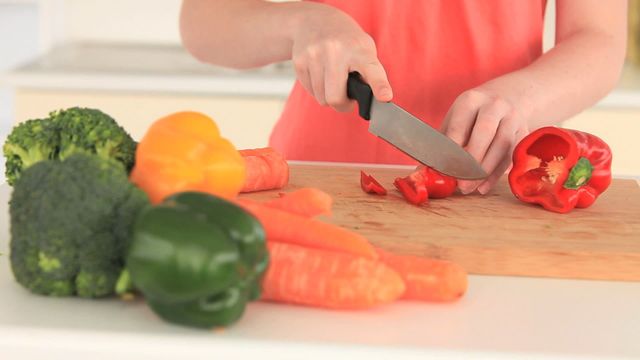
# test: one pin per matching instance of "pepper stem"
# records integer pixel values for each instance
(124, 285)
(580, 174)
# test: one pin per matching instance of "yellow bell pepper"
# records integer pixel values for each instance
(185, 152)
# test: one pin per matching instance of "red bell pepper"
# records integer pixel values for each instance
(560, 169)
(425, 183)
(371, 185)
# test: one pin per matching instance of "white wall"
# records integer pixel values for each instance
(18, 42)
(549, 38)
(149, 21)
(156, 21)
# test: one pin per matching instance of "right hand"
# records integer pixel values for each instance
(326, 47)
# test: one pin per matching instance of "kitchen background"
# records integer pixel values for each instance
(125, 58)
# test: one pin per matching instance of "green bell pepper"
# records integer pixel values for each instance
(197, 259)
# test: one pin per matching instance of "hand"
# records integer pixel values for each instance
(327, 46)
(488, 124)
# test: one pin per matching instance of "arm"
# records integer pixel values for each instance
(583, 67)
(235, 33)
(324, 43)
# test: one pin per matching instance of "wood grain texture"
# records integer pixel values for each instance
(493, 234)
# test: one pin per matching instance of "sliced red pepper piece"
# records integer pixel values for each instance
(438, 185)
(560, 169)
(371, 185)
(425, 183)
(414, 192)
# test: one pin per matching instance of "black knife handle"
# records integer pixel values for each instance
(359, 91)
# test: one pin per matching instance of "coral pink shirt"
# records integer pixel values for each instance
(432, 51)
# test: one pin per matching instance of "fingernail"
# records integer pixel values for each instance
(466, 187)
(467, 190)
(484, 188)
(462, 185)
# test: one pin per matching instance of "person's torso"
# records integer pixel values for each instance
(432, 51)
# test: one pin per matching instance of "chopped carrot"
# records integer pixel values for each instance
(309, 202)
(428, 279)
(266, 169)
(329, 279)
(282, 226)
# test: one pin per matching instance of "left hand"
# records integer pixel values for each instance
(488, 123)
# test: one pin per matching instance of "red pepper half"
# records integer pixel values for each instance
(371, 185)
(560, 169)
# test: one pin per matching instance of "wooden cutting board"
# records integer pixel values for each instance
(493, 234)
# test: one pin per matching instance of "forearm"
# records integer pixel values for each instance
(566, 80)
(323, 42)
(582, 68)
(240, 33)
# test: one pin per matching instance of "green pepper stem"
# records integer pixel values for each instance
(580, 174)
(124, 284)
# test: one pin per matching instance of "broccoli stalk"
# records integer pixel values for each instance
(124, 285)
(70, 225)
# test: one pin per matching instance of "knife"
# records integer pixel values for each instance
(412, 136)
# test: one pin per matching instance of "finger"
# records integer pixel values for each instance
(491, 181)
(500, 146)
(512, 135)
(316, 73)
(335, 82)
(374, 74)
(302, 74)
(461, 117)
(468, 186)
(485, 129)
(483, 134)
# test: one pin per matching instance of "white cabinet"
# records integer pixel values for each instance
(137, 84)
(245, 121)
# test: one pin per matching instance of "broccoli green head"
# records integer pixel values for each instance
(64, 133)
(92, 131)
(29, 142)
(70, 225)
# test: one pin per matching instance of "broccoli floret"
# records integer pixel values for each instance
(64, 133)
(92, 131)
(29, 142)
(70, 225)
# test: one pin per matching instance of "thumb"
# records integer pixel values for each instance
(374, 74)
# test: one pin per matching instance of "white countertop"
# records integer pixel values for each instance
(158, 68)
(499, 318)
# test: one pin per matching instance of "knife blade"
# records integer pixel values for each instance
(411, 135)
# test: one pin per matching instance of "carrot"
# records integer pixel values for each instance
(309, 202)
(266, 169)
(328, 279)
(255, 152)
(428, 279)
(282, 226)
